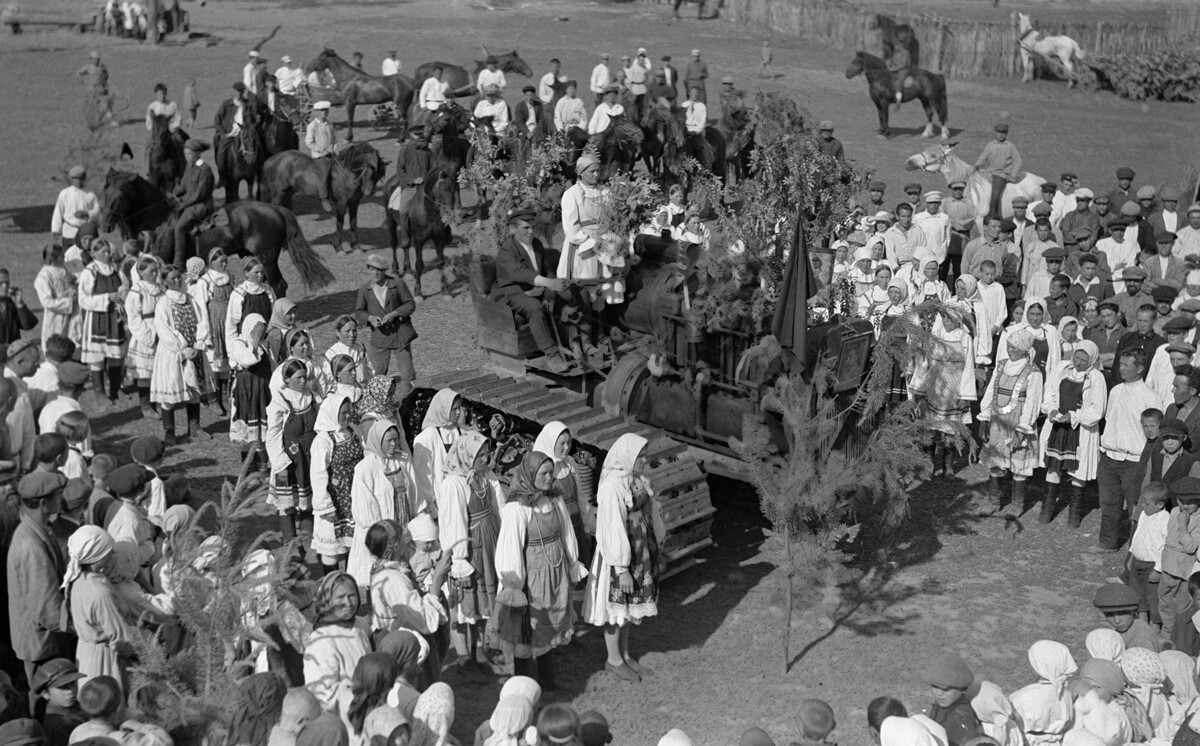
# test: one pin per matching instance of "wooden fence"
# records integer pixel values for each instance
(958, 48)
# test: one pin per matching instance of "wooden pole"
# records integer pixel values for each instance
(153, 11)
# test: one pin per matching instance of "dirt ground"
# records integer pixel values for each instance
(986, 586)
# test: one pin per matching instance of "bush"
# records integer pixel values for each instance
(1161, 76)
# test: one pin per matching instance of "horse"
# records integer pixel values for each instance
(130, 204)
(1061, 48)
(456, 76)
(356, 172)
(240, 158)
(941, 159)
(929, 88)
(259, 230)
(281, 130)
(164, 155)
(710, 151)
(895, 34)
(448, 147)
(356, 87)
(422, 221)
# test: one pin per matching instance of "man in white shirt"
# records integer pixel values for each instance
(546, 84)
(321, 140)
(570, 111)
(902, 239)
(1187, 240)
(935, 226)
(74, 207)
(1121, 446)
(1020, 218)
(289, 76)
(391, 64)
(492, 75)
(1119, 251)
(162, 106)
(433, 91)
(601, 78)
(249, 70)
(696, 113)
(636, 75)
(493, 106)
(23, 359)
(605, 111)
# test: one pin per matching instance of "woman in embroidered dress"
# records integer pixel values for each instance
(59, 296)
(397, 600)
(212, 291)
(336, 450)
(440, 428)
(251, 392)
(179, 375)
(469, 500)
(877, 295)
(884, 316)
(1074, 401)
(1047, 347)
(140, 304)
(537, 561)
(104, 325)
(966, 294)
(336, 643)
(344, 379)
(298, 346)
(250, 296)
(346, 328)
(283, 321)
(383, 489)
(623, 586)
(1011, 403)
(555, 441)
(291, 415)
(943, 383)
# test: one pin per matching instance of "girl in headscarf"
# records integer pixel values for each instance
(140, 305)
(1044, 341)
(876, 295)
(1098, 707)
(537, 560)
(1074, 401)
(291, 418)
(1044, 709)
(922, 275)
(370, 684)
(336, 643)
(257, 709)
(104, 320)
(298, 346)
(283, 321)
(469, 500)
(336, 450)
(410, 651)
(346, 329)
(509, 721)
(397, 601)
(555, 441)
(378, 402)
(1068, 335)
(431, 448)
(179, 375)
(95, 609)
(251, 296)
(943, 380)
(995, 715)
(517, 688)
(433, 717)
(343, 378)
(1146, 675)
(1010, 405)
(983, 326)
(623, 586)
(383, 488)
(1106, 644)
(56, 291)
(212, 292)
(251, 393)
(862, 273)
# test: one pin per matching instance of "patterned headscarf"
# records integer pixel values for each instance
(195, 268)
(433, 716)
(377, 402)
(1106, 644)
(324, 597)
(1022, 339)
(1143, 668)
(256, 709)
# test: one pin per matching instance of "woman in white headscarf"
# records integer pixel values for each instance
(943, 379)
(1010, 405)
(95, 608)
(905, 731)
(145, 289)
(1044, 340)
(1146, 675)
(1106, 644)
(862, 271)
(250, 393)
(983, 327)
(336, 450)
(440, 428)
(181, 374)
(384, 488)
(995, 715)
(1044, 709)
(1073, 402)
(623, 586)
(555, 441)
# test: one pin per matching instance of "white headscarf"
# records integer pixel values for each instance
(545, 443)
(1053, 662)
(898, 731)
(438, 414)
(1106, 644)
(249, 321)
(327, 414)
(88, 545)
(995, 714)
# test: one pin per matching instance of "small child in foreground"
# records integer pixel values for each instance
(1144, 562)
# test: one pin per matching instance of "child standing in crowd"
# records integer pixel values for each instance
(1179, 550)
(252, 376)
(1119, 604)
(291, 417)
(140, 305)
(1144, 563)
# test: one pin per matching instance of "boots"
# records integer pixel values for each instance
(143, 392)
(1075, 516)
(1048, 501)
(194, 430)
(545, 673)
(1018, 493)
(994, 489)
(525, 667)
(304, 528)
(222, 395)
(114, 382)
(168, 420)
(287, 527)
(98, 383)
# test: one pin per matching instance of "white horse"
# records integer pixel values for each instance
(941, 159)
(1061, 48)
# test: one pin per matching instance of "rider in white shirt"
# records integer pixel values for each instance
(491, 75)
(493, 106)
(546, 84)
(605, 111)
(288, 77)
(697, 113)
(162, 107)
(433, 91)
(391, 64)
(570, 110)
(249, 70)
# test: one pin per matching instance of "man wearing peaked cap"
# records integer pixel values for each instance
(935, 228)
(1167, 217)
(526, 282)
(827, 144)
(1001, 162)
(22, 732)
(962, 213)
(875, 192)
(128, 481)
(1132, 294)
(949, 677)
(1078, 214)
(1123, 192)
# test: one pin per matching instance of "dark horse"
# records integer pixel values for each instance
(895, 34)
(357, 88)
(130, 204)
(448, 145)
(618, 146)
(164, 155)
(709, 151)
(929, 88)
(356, 172)
(422, 221)
(457, 77)
(240, 158)
(281, 129)
(259, 230)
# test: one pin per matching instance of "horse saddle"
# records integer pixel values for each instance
(218, 219)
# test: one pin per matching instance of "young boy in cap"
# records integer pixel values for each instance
(816, 722)
(128, 520)
(1058, 302)
(147, 452)
(949, 679)
(1038, 283)
(57, 683)
(1179, 550)
(1119, 604)
(1145, 550)
(101, 700)
(1164, 303)
(1088, 283)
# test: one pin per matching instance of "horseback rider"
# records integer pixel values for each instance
(1001, 162)
(194, 197)
(413, 164)
(901, 66)
(734, 116)
(232, 117)
(162, 106)
(321, 140)
(604, 113)
(696, 113)
(529, 118)
(494, 108)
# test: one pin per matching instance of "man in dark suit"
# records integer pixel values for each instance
(386, 305)
(195, 193)
(525, 283)
(234, 114)
(670, 75)
(1186, 407)
(530, 109)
